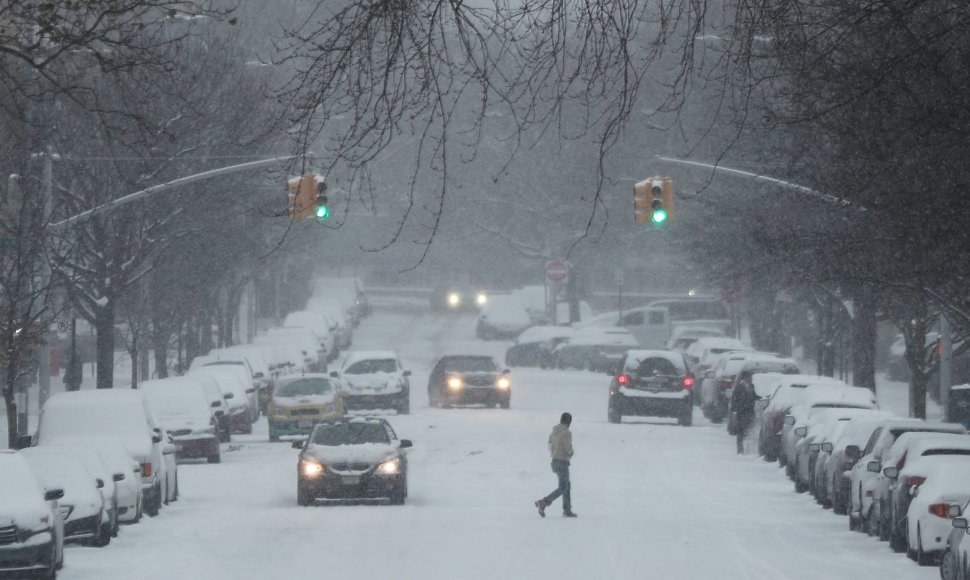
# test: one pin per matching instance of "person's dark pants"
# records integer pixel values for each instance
(743, 427)
(561, 469)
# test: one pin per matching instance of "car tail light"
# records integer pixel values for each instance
(916, 480)
(689, 382)
(941, 510)
(146, 469)
(623, 379)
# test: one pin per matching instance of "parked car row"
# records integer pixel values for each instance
(905, 481)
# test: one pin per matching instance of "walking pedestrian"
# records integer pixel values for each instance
(742, 405)
(561, 449)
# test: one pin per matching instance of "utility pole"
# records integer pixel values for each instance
(946, 355)
(44, 364)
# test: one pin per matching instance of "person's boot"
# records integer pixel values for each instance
(568, 513)
(541, 505)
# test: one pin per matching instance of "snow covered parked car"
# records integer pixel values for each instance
(120, 413)
(535, 346)
(300, 401)
(86, 518)
(182, 410)
(375, 380)
(595, 349)
(235, 392)
(502, 317)
(788, 392)
(31, 526)
(929, 518)
(655, 383)
(352, 459)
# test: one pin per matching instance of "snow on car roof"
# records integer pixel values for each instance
(359, 355)
(635, 357)
(120, 412)
(946, 477)
(826, 394)
(542, 333)
(720, 342)
(20, 490)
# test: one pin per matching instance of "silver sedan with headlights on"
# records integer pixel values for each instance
(469, 379)
(353, 459)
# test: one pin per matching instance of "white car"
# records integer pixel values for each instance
(819, 428)
(121, 413)
(323, 328)
(32, 527)
(375, 380)
(703, 352)
(182, 410)
(502, 317)
(788, 392)
(869, 464)
(929, 518)
(83, 507)
(341, 324)
(218, 404)
(235, 392)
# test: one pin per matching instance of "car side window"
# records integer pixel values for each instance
(633, 319)
(657, 317)
(390, 431)
(872, 441)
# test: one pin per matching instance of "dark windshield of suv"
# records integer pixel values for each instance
(471, 364)
(349, 434)
(304, 387)
(656, 366)
(374, 365)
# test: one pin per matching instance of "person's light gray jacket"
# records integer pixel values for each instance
(561, 443)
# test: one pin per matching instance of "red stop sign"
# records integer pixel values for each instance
(557, 271)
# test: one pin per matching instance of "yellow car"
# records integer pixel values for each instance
(300, 401)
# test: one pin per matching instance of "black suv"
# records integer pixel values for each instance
(359, 458)
(469, 379)
(655, 383)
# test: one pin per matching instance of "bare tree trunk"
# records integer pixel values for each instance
(133, 353)
(105, 327)
(864, 339)
(10, 401)
(916, 359)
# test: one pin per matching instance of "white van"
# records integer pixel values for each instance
(124, 414)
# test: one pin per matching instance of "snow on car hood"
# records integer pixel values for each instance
(21, 495)
(362, 453)
(179, 422)
(375, 382)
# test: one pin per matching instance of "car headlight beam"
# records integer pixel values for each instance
(481, 298)
(391, 467)
(503, 383)
(455, 383)
(311, 468)
(454, 299)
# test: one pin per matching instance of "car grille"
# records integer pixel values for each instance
(179, 432)
(304, 412)
(8, 535)
(480, 381)
(350, 466)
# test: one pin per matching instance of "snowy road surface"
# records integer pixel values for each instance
(654, 500)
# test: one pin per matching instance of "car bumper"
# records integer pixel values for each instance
(82, 528)
(373, 401)
(345, 487)
(241, 422)
(646, 405)
(471, 396)
(196, 447)
(23, 560)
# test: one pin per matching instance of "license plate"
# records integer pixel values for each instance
(305, 424)
(350, 479)
(370, 398)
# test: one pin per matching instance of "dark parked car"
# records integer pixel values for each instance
(535, 346)
(469, 379)
(359, 458)
(654, 383)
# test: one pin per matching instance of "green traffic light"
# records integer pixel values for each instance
(658, 216)
(323, 212)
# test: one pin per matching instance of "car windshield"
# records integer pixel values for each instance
(471, 364)
(304, 387)
(349, 434)
(656, 366)
(374, 365)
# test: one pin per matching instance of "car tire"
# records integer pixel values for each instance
(922, 558)
(217, 458)
(303, 497)
(273, 438)
(799, 486)
(103, 538)
(897, 541)
(687, 419)
(505, 403)
(398, 494)
(839, 507)
(404, 408)
(613, 414)
(154, 505)
(175, 492)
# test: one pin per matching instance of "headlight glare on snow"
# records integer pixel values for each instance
(455, 383)
(503, 383)
(389, 467)
(311, 468)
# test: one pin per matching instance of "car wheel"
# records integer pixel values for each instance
(273, 438)
(922, 558)
(217, 458)
(154, 504)
(687, 419)
(588, 365)
(839, 507)
(404, 408)
(175, 493)
(800, 487)
(897, 540)
(505, 403)
(613, 414)
(398, 494)
(303, 497)
(871, 523)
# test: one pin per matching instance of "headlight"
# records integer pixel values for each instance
(390, 467)
(454, 299)
(65, 510)
(455, 383)
(481, 298)
(503, 383)
(311, 468)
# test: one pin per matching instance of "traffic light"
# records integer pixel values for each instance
(653, 201)
(308, 197)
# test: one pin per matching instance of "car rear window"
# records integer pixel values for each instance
(350, 434)
(657, 366)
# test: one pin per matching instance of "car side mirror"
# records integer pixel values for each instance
(891, 472)
(801, 431)
(814, 447)
(789, 420)
(219, 413)
(873, 467)
(298, 444)
(168, 449)
(827, 447)
(407, 373)
(405, 443)
(960, 523)
(53, 494)
(334, 375)
(955, 511)
(118, 477)
(853, 452)
(156, 438)
(99, 483)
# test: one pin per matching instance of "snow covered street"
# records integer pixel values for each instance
(654, 500)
